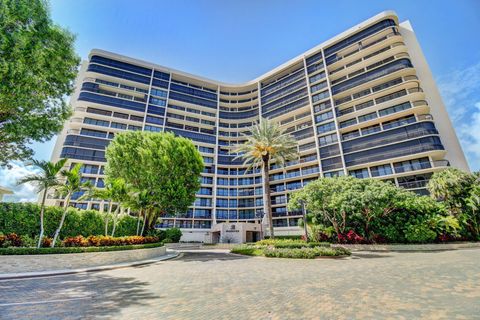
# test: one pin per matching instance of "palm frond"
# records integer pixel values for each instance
(267, 142)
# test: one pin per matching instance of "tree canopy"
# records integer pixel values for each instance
(37, 67)
(165, 166)
(338, 201)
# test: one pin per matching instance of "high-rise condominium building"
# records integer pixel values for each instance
(363, 103)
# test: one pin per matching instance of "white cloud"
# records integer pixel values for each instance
(461, 93)
(9, 177)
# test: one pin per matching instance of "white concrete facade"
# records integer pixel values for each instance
(363, 103)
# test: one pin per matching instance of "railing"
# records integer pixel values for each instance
(413, 184)
(398, 137)
(421, 166)
(424, 117)
(80, 109)
(362, 47)
(394, 154)
(420, 103)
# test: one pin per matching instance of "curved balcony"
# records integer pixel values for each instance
(419, 145)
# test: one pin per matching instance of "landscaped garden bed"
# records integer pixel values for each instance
(294, 249)
(61, 250)
(12, 244)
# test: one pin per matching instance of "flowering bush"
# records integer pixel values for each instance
(10, 240)
(107, 241)
(351, 237)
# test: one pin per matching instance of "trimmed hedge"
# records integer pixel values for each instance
(24, 219)
(293, 249)
(305, 253)
(62, 250)
(291, 244)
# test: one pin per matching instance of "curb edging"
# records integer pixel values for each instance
(52, 273)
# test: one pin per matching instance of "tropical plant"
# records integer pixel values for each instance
(167, 168)
(473, 202)
(140, 201)
(46, 179)
(38, 64)
(73, 183)
(350, 203)
(115, 190)
(451, 186)
(267, 143)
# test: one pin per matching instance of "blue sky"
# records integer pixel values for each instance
(235, 41)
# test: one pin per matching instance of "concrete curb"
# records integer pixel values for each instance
(405, 248)
(27, 275)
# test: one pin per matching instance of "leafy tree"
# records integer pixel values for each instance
(45, 180)
(459, 191)
(37, 67)
(344, 201)
(473, 202)
(73, 184)
(324, 200)
(167, 168)
(452, 187)
(267, 143)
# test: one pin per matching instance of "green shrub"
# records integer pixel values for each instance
(24, 219)
(305, 253)
(159, 233)
(289, 243)
(419, 233)
(292, 237)
(247, 250)
(127, 226)
(173, 234)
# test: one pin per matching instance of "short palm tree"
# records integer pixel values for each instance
(73, 183)
(45, 180)
(141, 202)
(114, 191)
(267, 143)
(119, 194)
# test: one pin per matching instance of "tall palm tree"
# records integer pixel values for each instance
(267, 143)
(73, 183)
(45, 180)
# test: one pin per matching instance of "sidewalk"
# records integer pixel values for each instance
(22, 269)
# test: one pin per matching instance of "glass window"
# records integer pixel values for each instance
(382, 170)
(368, 116)
(326, 127)
(328, 139)
(360, 173)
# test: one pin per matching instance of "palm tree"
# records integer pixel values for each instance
(139, 201)
(267, 143)
(114, 190)
(45, 180)
(119, 194)
(73, 183)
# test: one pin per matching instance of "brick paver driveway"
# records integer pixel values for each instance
(218, 285)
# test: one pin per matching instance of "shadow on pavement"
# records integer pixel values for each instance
(78, 296)
(359, 255)
(204, 256)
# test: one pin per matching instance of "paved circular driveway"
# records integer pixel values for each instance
(218, 285)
